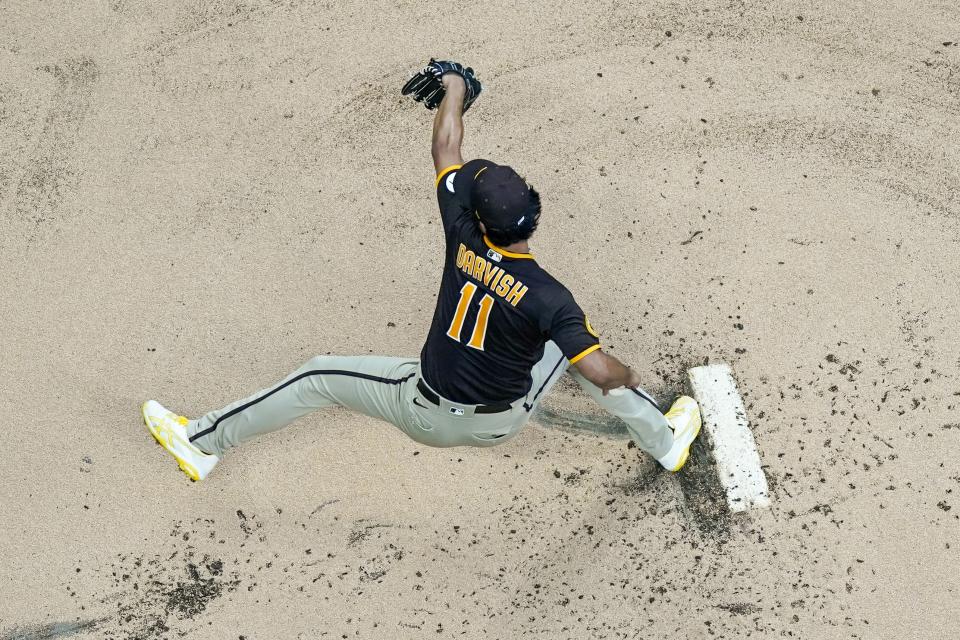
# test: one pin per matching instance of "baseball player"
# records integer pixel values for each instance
(503, 332)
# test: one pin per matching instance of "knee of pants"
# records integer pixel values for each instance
(317, 362)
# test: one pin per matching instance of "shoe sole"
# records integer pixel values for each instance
(185, 466)
(686, 452)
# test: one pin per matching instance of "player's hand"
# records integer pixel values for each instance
(633, 381)
(452, 81)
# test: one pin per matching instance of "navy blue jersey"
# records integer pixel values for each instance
(495, 311)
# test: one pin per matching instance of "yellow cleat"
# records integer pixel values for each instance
(170, 430)
(684, 418)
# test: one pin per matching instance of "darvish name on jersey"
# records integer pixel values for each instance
(495, 278)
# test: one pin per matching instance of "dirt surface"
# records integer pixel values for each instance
(197, 196)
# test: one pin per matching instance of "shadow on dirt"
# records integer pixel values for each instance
(604, 425)
(49, 631)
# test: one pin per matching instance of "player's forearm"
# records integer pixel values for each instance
(448, 124)
(447, 136)
(605, 371)
(618, 374)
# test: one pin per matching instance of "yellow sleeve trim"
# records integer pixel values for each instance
(580, 356)
(444, 172)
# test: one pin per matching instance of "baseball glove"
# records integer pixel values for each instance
(425, 85)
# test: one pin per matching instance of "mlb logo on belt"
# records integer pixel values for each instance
(457, 411)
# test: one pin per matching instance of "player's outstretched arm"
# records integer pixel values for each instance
(451, 88)
(606, 372)
(448, 124)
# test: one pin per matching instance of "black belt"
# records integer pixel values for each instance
(430, 396)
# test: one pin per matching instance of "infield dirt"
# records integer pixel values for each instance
(196, 197)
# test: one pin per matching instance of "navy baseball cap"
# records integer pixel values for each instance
(502, 199)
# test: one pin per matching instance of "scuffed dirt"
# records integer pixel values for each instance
(196, 197)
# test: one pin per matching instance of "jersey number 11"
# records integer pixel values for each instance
(480, 328)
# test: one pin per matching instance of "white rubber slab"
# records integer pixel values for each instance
(726, 425)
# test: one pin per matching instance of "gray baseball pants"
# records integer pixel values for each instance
(386, 388)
